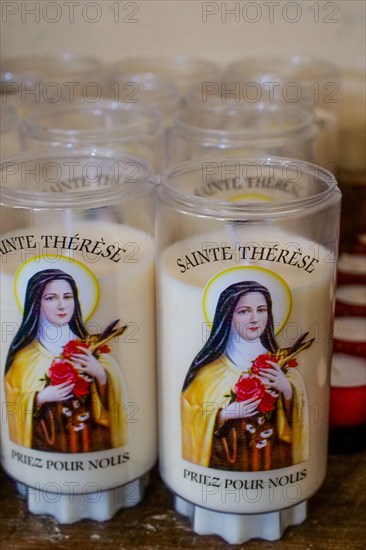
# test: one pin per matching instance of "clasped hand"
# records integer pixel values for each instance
(275, 378)
(85, 363)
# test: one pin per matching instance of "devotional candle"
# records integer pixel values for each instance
(242, 129)
(246, 270)
(292, 78)
(31, 82)
(121, 127)
(77, 310)
(180, 69)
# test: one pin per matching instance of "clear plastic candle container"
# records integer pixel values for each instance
(247, 253)
(55, 67)
(228, 91)
(150, 90)
(35, 80)
(352, 135)
(182, 70)
(245, 129)
(69, 70)
(119, 127)
(9, 131)
(78, 399)
(320, 78)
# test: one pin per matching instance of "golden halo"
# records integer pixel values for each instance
(252, 197)
(277, 287)
(85, 280)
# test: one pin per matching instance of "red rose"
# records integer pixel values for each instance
(267, 404)
(248, 387)
(72, 347)
(62, 371)
(81, 388)
(104, 349)
(261, 362)
(292, 363)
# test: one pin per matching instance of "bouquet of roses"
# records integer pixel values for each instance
(251, 386)
(62, 368)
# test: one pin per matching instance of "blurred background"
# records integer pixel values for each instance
(161, 52)
(220, 32)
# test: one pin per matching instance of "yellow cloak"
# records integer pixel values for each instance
(26, 377)
(204, 397)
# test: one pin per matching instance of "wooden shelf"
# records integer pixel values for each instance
(336, 520)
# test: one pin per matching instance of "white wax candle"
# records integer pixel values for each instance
(184, 329)
(119, 285)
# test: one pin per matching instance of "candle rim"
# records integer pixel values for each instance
(20, 67)
(195, 93)
(321, 68)
(167, 92)
(225, 209)
(166, 61)
(152, 124)
(133, 187)
(304, 123)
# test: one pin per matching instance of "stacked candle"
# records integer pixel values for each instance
(31, 82)
(241, 130)
(290, 75)
(129, 128)
(180, 69)
(348, 376)
(151, 90)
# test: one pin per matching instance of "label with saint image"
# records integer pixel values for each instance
(251, 388)
(78, 320)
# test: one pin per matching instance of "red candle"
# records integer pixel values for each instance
(351, 269)
(351, 300)
(348, 391)
(350, 336)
